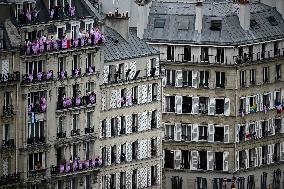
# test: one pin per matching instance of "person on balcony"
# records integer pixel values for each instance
(51, 13)
(38, 166)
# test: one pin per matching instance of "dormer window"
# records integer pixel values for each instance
(272, 21)
(254, 24)
(18, 11)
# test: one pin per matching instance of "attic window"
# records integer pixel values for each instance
(183, 25)
(272, 21)
(159, 23)
(216, 25)
(254, 24)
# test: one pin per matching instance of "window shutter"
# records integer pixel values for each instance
(271, 100)
(237, 133)
(150, 92)
(132, 67)
(247, 131)
(128, 124)
(260, 102)
(247, 105)
(158, 92)
(158, 118)
(247, 159)
(108, 128)
(259, 156)
(282, 125)
(195, 105)
(108, 148)
(282, 151)
(118, 98)
(128, 152)
(177, 159)
(210, 160)
(237, 160)
(118, 124)
(268, 154)
(178, 104)
(194, 79)
(164, 104)
(126, 64)
(227, 107)
(194, 132)
(5, 69)
(211, 106)
(225, 161)
(178, 78)
(139, 100)
(148, 67)
(113, 99)
(177, 132)
(272, 126)
(255, 157)
(226, 134)
(157, 72)
(211, 132)
(194, 160)
(164, 79)
(272, 153)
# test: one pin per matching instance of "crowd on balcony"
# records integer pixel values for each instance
(68, 102)
(40, 76)
(28, 16)
(67, 11)
(45, 44)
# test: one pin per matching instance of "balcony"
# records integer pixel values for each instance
(89, 130)
(55, 45)
(38, 77)
(76, 73)
(10, 77)
(61, 134)
(7, 144)
(75, 132)
(90, 70)
(62, 75)
(38, 108)
(76, 102)
(76, 166)
(36, 140)
(37, 174)
(10, 179)
(8, 111)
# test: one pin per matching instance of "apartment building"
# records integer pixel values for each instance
(223, 93)
(81, 97)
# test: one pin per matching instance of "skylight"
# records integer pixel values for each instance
(272, 21)
(216, 25)
(254, 24)
(159, 23)
(183, 25)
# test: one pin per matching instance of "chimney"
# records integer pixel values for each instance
(244, 14)
(119, 22)
(198, 16)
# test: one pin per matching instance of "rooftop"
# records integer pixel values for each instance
(117, 48)
(220, 24)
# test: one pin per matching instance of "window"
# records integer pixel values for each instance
(250, 52)
(187, 78)
(75, 121)
(203, 105)
(154, 65)
(204, 78)
(219, 106)
(278, 72)
(216, 25)
(134, 150)
(219, 134)
(186, 104)
(75, 62)
(276, 49)
(61, 64)
(134, 122)
(186, 132)
(154, 119)
(88, 26)
(220, 55)
(204, 54)
(170, 104)
(159, 23)
(74, 31)
(254, 24)
(36, 161)
(202, 130)
(120, 71)
(241, 51)
(8, 98)
(89, 118)
(103, 127)
(134, 179)
(242, 133)
(122, 180)
(123, 125)
(169, 159)
(263, 50)
(265, 73)
(1, 38)
(155, 91)
(202, 161)
(123, 152)
(135, 95)
(61, 121)
(89, 88)
(243, 78)
(123, 96)
(183, 25)
(34, 99)
(114, 126)
(169, 131)
(171, 77)
(89, 60)
(201, 183)
(113, 154)
(61, 32)
(187, 53)
(6, 132)
(176, 182)
(252, 76)
(153, 147)
(220, 79)
(34, 67)
(170, 53)
(218, 161)
(75, 90)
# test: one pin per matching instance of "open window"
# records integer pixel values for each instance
(204, 54)
(220, 79)
(220, 57)
(277, 123)
(204, 79)
(278, 72)
(171, 77)
(186, 132)
(252, 76)
(219, 106)
(169, 159)
(186, 104)
(202, 132)
(170, 104)
(187, 78)
(170, 53)
(169, 131)
(187, 53)
(203, 105)
(243, 78)
(265, 74)
(202, 161)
